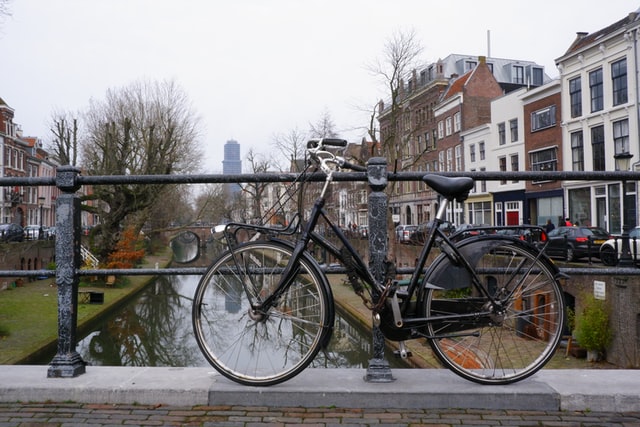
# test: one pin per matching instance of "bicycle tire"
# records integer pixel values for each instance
(264, 348)
(520, 337)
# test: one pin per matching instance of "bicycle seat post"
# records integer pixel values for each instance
(378, 369)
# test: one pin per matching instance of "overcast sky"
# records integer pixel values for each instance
(256, 68)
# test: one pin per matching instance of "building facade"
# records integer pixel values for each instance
(600, 131)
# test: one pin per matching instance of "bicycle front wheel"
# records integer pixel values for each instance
(267, 346)
(502, 342)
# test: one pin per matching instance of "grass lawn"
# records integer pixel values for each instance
(29, 313)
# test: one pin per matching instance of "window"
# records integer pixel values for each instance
(472, 152)
(457, 122)
(514, 164)
(544, 160)
(448, 126)
(434, 139)
(537, 76)
(502, 162)
(577, 151)
(575, 96)
(440, 161)
(597, 147)
(544, 118)
(483, 183)
(595, 86)
(501, 134)
(621, 136)
(449, 159)
(481, 150)
(427, 141)
(518, 74)
(458, 157)
(469, 65)
(440, 129)
(513, 126)
(619, 80)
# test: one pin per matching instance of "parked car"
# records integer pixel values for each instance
(574, 242)
(469, 230)
(11, 233)
(526, 232)
(403, 233)
(608, 248)
(32, 232)
(419, 236)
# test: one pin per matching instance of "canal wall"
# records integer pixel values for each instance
(27, 255)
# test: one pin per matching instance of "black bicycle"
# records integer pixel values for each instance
(490, 306)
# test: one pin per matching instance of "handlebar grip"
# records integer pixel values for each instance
(334, 142)
(330, 142)
(356, 168)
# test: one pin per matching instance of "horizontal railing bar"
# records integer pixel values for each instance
(316, 177)
(177, 271)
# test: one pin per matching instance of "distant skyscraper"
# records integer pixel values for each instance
(232, 165)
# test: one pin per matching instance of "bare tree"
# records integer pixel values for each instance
(4, 9)
(146, 128)
(292, 147)
(256, 190)
(324, 127)
(400, 57)
(212, 204)
(64, 146)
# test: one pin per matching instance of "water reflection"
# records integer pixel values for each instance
(155, 329)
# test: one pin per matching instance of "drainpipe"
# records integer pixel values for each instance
(637, 82)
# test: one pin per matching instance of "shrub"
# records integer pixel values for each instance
(592, 324)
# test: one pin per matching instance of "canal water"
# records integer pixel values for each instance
(155, 329)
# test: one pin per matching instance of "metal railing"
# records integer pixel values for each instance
(68, 363)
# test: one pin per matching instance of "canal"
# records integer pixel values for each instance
(154, 329)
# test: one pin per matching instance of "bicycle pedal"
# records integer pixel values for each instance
(402, 355)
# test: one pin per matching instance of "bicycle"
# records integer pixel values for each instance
(491, 306)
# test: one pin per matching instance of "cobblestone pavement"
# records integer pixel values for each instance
(70, 414)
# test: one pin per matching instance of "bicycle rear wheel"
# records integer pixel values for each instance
(269, 346)
(519, 336)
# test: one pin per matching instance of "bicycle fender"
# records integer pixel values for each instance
(446, 273)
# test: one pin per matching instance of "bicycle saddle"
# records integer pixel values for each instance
(451, 188)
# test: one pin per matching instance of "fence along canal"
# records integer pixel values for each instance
(68, 363)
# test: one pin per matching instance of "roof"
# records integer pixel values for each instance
(586, 39)
(457, 85)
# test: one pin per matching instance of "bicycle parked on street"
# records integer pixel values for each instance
(490, 306)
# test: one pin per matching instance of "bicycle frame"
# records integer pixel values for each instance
(352, 260)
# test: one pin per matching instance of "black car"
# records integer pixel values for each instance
(574, 242)
(469, 230)
(419, 234)
(11, 233)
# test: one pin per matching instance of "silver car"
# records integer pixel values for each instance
(403, 233)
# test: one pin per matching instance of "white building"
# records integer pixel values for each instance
(599, 79)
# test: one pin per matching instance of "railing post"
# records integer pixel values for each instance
(67, 362)
(378, 369)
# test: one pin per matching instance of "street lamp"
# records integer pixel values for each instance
(623, 161)
(41, 231)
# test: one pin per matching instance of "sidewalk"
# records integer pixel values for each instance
(548, 390)
(321, 397)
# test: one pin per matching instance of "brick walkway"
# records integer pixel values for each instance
(69, 414)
